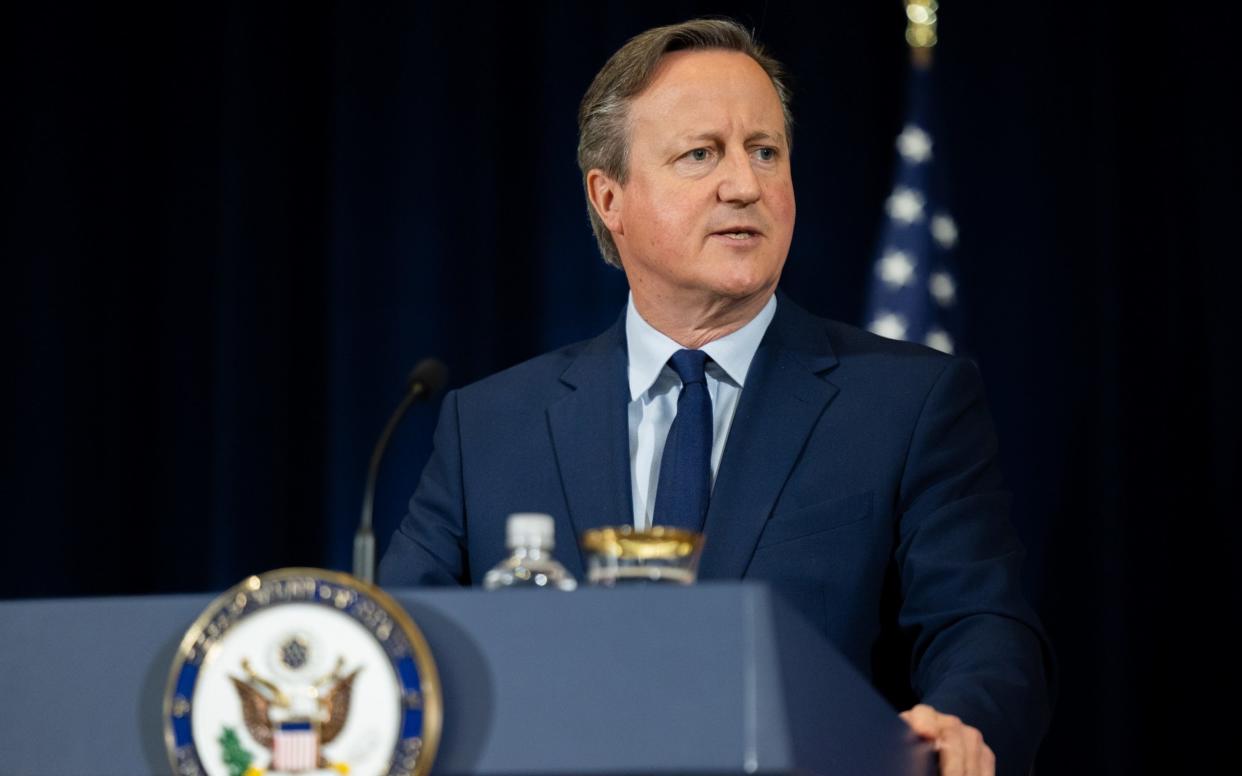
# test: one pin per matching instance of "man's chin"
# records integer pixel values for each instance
(737, 297)
(744, 286)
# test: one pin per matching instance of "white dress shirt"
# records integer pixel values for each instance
(655, 387)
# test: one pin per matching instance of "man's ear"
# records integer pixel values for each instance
(607, 198)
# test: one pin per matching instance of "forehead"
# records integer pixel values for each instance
(707, 90)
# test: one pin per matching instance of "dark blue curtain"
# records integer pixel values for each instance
(230, 229)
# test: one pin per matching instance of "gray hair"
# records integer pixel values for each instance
(603, 130)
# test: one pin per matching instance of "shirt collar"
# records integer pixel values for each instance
(649, 350)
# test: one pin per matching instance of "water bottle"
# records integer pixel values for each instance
(530, 562)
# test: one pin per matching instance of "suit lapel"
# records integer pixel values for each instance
(590, 434)
(784, 395)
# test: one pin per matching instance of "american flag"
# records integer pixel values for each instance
(914, 292)
(295, 747)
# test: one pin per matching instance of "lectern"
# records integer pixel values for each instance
(711, 679)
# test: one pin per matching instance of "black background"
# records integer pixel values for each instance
(231, 228)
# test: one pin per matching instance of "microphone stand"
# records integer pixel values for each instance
(424, 381)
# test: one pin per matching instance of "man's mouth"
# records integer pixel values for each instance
(739, 233)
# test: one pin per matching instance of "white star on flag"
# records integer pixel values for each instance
(889, 325)
(942, 288)
(940, 340)
(944, 230)
(896, 269)
(913, 290)
(905, 205)
(914, 144)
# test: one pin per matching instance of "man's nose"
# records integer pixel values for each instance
(738, 182)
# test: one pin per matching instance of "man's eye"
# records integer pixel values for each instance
(698, 155)
(766, 154)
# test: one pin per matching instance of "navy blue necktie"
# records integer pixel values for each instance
(686, 467)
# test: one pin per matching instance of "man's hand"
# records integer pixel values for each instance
(961, 748)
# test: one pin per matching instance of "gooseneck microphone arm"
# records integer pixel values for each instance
(425, 381)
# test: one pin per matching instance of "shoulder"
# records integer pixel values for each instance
(540, 380)
(879, 379)
(867, 353)
(857, 355)
(534, 375)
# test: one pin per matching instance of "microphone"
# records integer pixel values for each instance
(425, 381)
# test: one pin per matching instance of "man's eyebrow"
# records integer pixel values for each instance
(776, 137)
(697, 136)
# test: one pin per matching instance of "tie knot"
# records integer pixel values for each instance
(689, 364)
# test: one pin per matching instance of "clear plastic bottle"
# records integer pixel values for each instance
(529, 537)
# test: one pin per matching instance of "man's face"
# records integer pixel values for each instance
(707, 214)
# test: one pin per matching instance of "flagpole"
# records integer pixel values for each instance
(913, 292)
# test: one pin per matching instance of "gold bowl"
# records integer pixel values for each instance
(623, 555)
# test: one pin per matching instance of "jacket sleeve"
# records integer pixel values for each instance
(429, 547)
(979, 651)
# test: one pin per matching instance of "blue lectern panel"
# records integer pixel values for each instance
(713, 679)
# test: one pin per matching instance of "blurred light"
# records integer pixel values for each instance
(921, 31)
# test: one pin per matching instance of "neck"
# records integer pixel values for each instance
(694, 325)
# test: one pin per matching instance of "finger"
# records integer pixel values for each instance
(971, 742)
(977, 758)
(960, 747)
(954, 760)
(987, 761)
(924, 720)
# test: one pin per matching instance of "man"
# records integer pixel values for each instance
(855, 474)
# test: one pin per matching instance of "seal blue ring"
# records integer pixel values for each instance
(400, 639)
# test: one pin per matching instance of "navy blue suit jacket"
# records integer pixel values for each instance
(859, 480)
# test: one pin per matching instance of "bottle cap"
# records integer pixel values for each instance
(530, 529)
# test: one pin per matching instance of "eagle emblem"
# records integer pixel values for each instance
(296, 721)
(302, 672)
